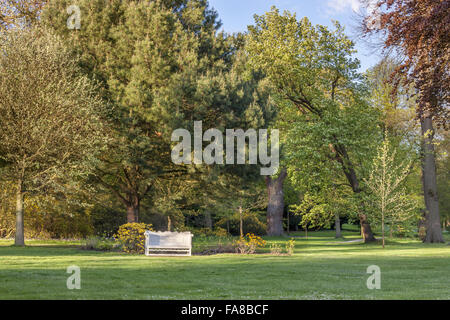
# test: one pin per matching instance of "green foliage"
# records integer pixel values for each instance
(252, 223)
(314, 211)
(48, 139)
(47, 216)
(397, 105)
(162, 65)
(275, 249)
(207, 232)
(290, 246)
(443, 177)
(329, 128)
(107, 218)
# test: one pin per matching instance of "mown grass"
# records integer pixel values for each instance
(321, 268)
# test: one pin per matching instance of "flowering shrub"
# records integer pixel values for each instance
(248, 244)
(132, 236)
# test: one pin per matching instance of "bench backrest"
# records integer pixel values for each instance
(168, 239)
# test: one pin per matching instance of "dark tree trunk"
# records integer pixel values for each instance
(366, 230)
(208, 220)
(130, 192)
(337, 226)
(343, 158)
(133, 210)
(275, 207)
(432, 218)
(19, 237)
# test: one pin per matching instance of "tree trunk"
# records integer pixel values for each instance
(241, 223)
(433, 221)
(208, 220)
(19, 237)
(132, 213)
(275, 207)
(366, 230)
(343, 158)
(169, 223)
(337, 226)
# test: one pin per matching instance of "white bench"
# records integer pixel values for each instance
(168, 243)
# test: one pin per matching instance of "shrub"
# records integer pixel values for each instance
(223, 246)
(275, 249)
(206, 232)
(252, 223)
(100, 244)
(132, 237)
(106, 220)
(46, 216)
(220, 232)
(248, 244)
(290, 245)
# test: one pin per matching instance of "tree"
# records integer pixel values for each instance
(443, 178)
(19, 12)
(314, 212)
(418, 30)
(50, 116)
(162, 65)
(396, 104)
(392, 206)
(315, 78)
(147, 56)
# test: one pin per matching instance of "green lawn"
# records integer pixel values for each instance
(321, 268)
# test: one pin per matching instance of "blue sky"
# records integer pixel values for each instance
(236, 15)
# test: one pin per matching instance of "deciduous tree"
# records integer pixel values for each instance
(392, 206)
(50, 116)
(314, 74)
(418, 30)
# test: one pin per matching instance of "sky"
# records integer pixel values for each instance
(236, 15)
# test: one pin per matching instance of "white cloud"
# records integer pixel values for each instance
(338, 6)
